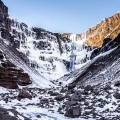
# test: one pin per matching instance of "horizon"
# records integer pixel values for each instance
(70, 17)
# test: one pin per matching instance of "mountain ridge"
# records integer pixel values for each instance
(107, 28)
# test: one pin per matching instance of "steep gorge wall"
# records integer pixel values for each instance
(108, 28)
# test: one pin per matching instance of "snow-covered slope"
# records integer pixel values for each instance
(47, 52)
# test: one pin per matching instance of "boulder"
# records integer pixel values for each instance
(24, 79)
(24, 94)
(117, 84)
(117, 95)
(59, 97)
(73, 112)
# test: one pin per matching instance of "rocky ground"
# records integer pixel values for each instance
(98, 102)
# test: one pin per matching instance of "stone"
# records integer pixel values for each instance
(52, 93)
(24, 79)
(76, 96)
(95, 36)
(24, 94)
(73, 112)
(4, 114)
(70, 103)
(88, 88)
(59, 97)
(117, 95)
(117, 84)
(107, 87)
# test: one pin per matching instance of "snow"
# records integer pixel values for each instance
(52, 67)
(10, 113)
(29, 108)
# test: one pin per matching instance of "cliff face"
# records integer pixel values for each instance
(77, 37)
(4, 20)
(108, 28)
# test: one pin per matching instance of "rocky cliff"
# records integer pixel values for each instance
(108, 28)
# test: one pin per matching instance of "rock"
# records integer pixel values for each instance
(7, 64)
(117, 109)
(59, 97)
(71, 103)
(117, 95)
(103, 118)
(38, 116)
(10, 77)
(9, 83)
(52, 93)
(106, 47)
(24, 79)
(107, 87)
(44, 103)
(60, 110)
(5, 114)
(88, 88)
(73, 112)
(117, 84)
(76, 96)
(1, 56)
(24, 94)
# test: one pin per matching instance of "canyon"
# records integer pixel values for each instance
(59, 76)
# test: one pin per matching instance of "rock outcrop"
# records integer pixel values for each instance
(11, 114)
(10, 75)
(4, 20)
(108, 28)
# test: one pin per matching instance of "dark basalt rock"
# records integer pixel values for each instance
(117, 84)
(98, 64)
(42, 45)
(88, 88)
(59, 97)
(73, 111)
(117, 95)
(52, 93)
(11, 77)
(107, 45)
(24, 79)
(4, 114)
(8, 83)
(24, 94)
(76, 96)
(107, 87)
(7, 64)
(5, 34)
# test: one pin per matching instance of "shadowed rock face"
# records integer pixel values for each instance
(108, 44)
(92, 72)
(4, 20)
(10, 114)
(10, 75)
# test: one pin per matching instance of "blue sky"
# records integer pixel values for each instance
(62, 15)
